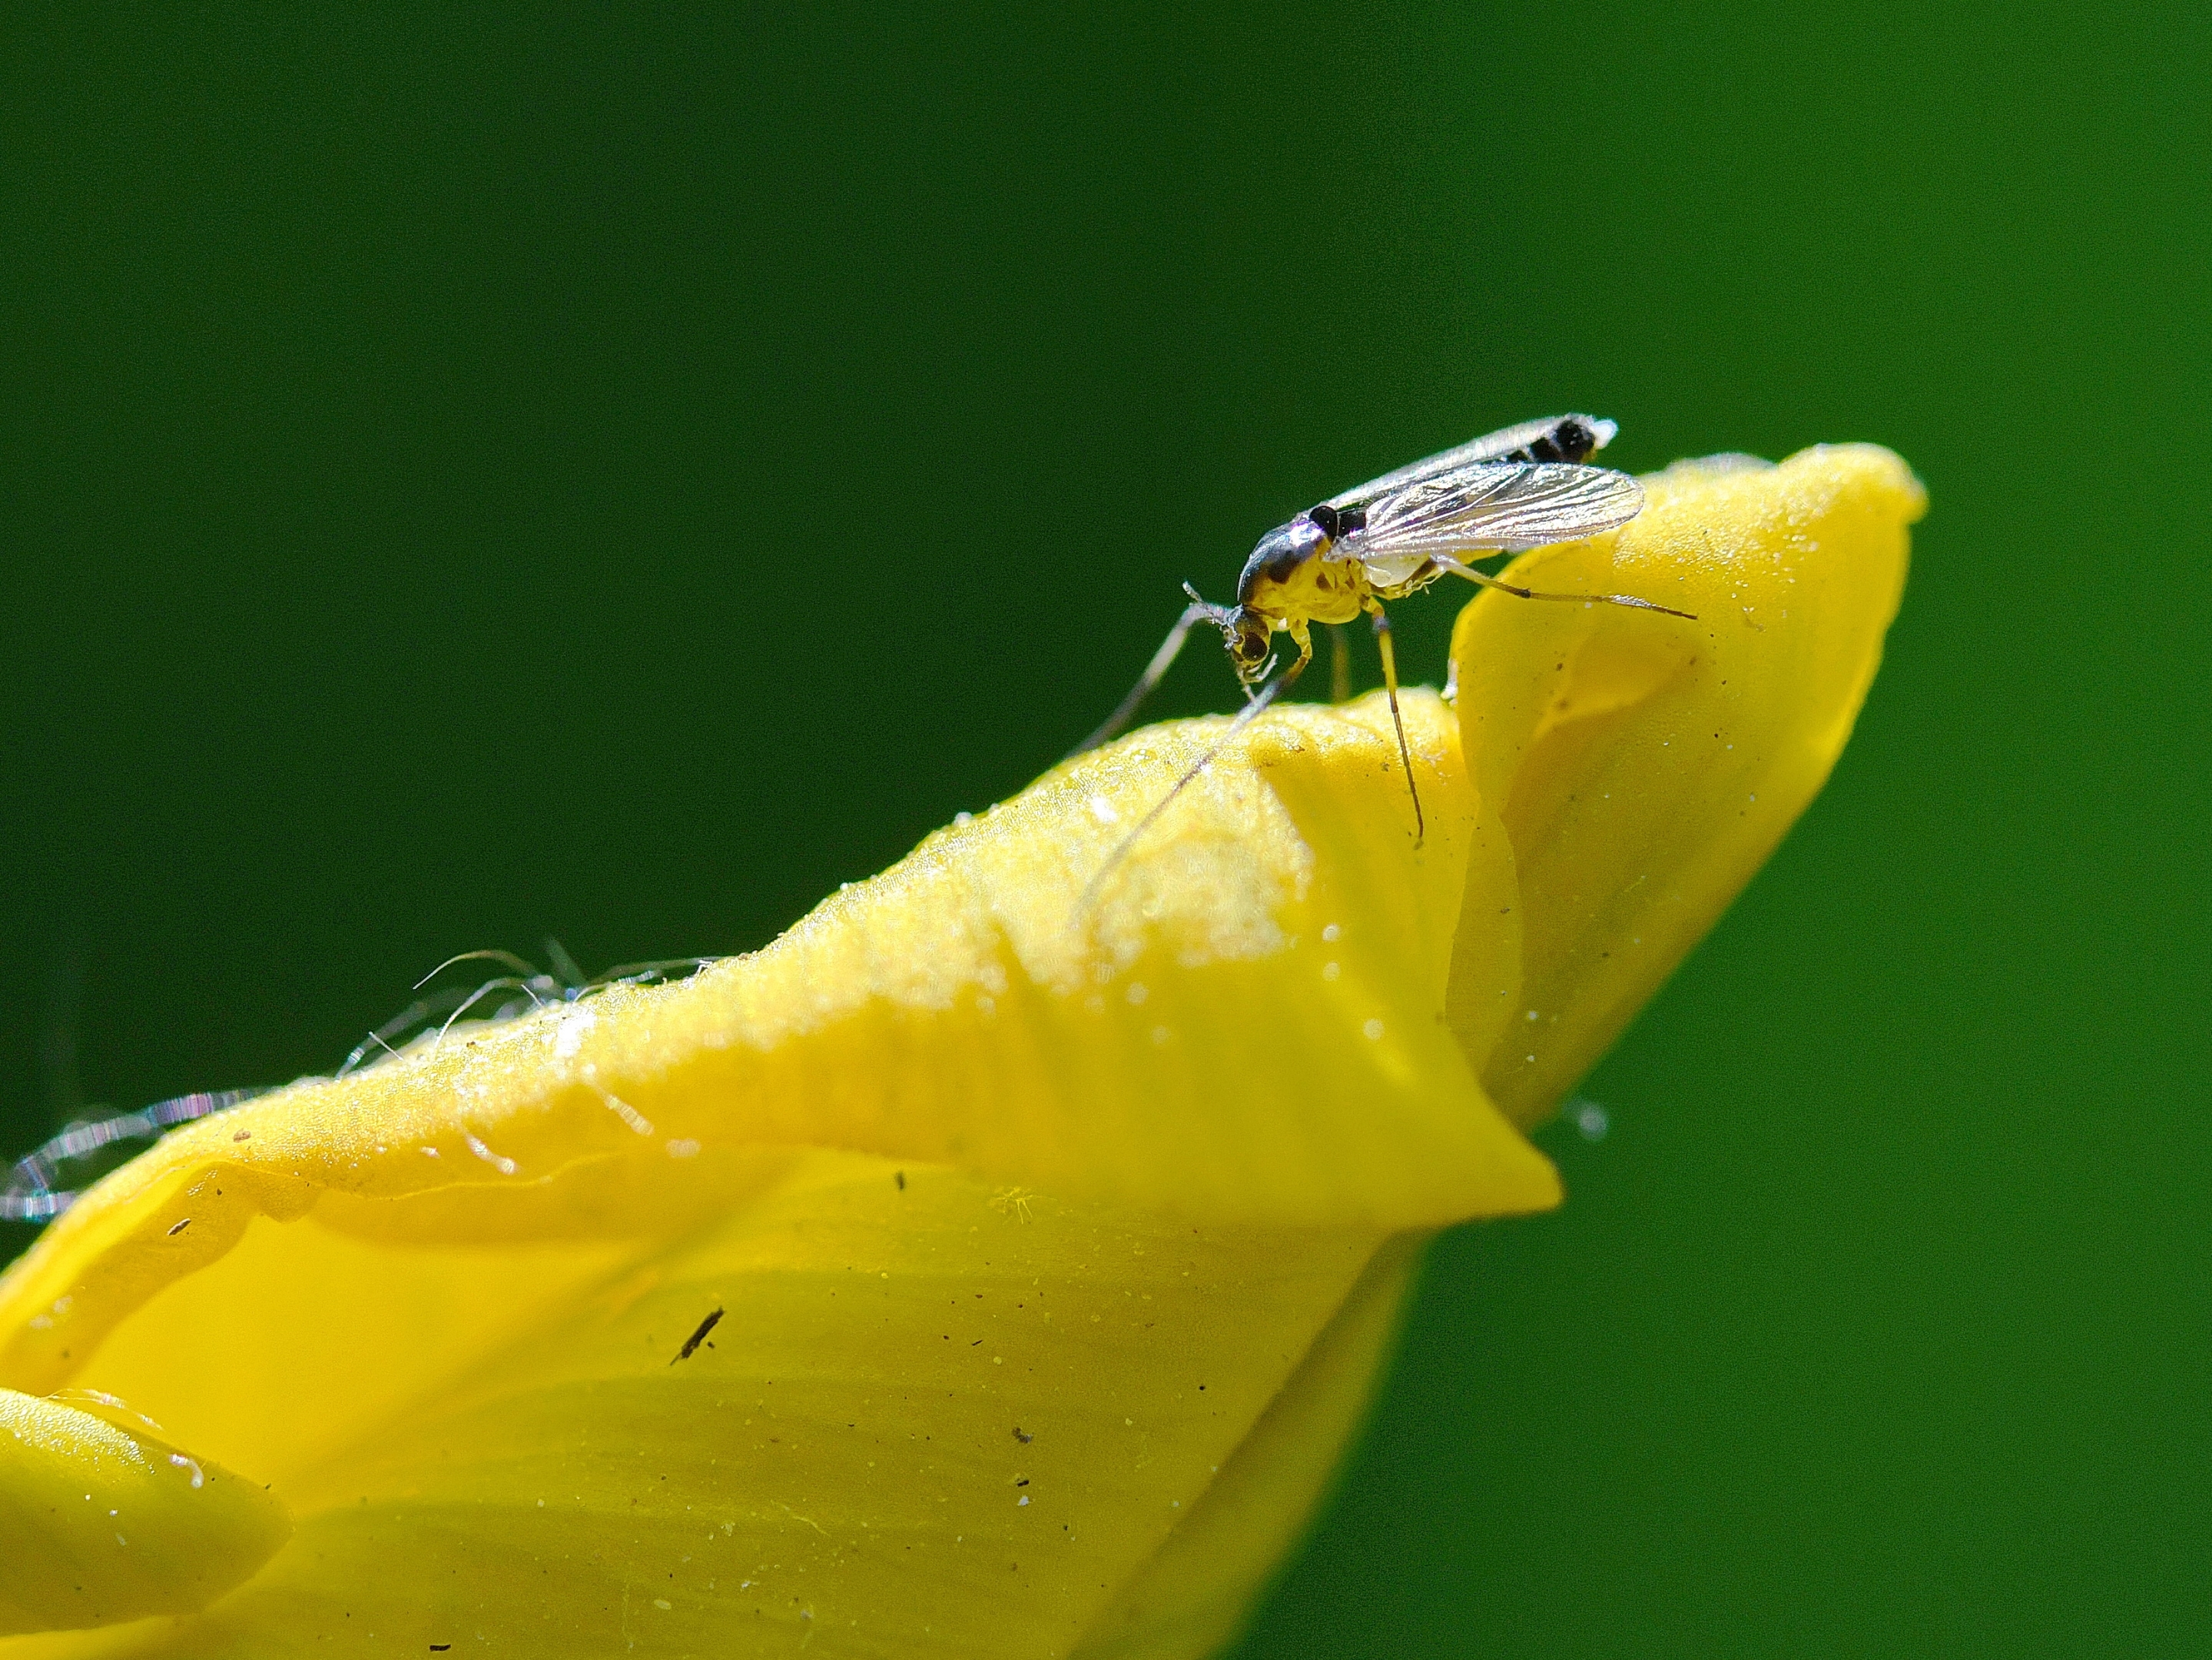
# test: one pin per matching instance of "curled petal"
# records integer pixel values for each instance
(928, 1416)
(1241, 1020)
(102, 1520)
(714, 1307)
(995, 1264)
(1641, 767)
(1195, 1594)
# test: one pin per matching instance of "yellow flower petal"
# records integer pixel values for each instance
(705, 1317)
(101, 1521)
(1243, 1022)
(933, 1417)
(1194, 1594)
(421, 1299)
(1643, 768)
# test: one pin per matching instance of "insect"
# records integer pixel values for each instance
(1526, 486)
(692, 1342)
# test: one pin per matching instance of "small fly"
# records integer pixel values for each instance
(1526, 486)
(691, 1343)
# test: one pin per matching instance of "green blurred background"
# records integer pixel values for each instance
(473, 475)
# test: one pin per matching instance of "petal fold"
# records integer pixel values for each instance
(101, 1521)
(931, 1417)
(1197, 1592)
(710, 1317)
(1644, 767)
(1239, 1017)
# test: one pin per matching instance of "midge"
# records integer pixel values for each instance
(1524, 487)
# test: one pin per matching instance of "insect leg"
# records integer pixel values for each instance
(1245, 716)
(571, 978)
(1156, 671)
(29, 1194)
(1390, 685)
(1445, 563)
(1340, 664)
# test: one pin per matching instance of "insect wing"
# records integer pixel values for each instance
(1497, 507)
(1491, 447)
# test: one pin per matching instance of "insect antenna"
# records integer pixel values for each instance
(1267, 694)
(1155, 671)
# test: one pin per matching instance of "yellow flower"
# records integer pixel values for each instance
(985, 1267)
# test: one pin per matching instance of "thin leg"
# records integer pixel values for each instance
(1162, 660)
(572, 978)
(1245, 716)
(1390, 685)
(1443, 562)
(1340, 664)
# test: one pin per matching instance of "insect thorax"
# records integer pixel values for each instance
(1290, 576)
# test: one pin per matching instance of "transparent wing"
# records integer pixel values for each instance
(1491, 447)
(1501, 507)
